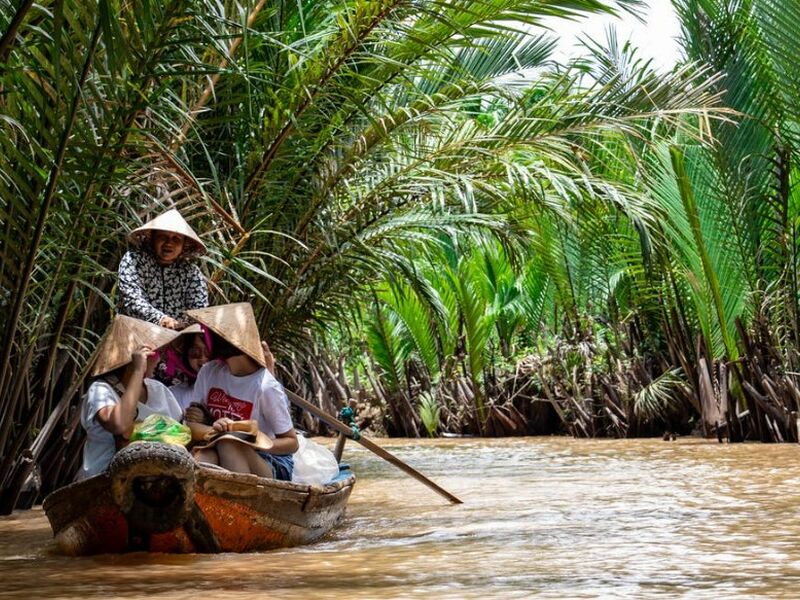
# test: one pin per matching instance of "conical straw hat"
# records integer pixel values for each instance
(191, 329)
(245, 432)
(235, 323)
(125, 336)
(171, 221)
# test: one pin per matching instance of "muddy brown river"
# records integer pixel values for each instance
(542, 518)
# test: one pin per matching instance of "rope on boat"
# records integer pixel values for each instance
(348, 416)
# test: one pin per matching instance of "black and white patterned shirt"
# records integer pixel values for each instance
(148, 290)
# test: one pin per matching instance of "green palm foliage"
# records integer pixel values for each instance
(322, 147)
(77, 111)
(750, 221)
(311, 142)
(429, 411)
(385, 341)
(450, 310)
(678, 234)
(657, 399)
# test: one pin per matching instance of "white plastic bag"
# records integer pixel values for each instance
(313, 463)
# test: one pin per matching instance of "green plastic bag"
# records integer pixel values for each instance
(161, 428)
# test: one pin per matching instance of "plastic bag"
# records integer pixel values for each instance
(161, 428)
(313, 463)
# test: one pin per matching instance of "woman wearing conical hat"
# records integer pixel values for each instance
(158, 282)
(124, 392)
(237, 388)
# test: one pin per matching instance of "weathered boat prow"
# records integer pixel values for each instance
(154, 497)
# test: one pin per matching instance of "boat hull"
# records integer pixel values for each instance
(218, 511)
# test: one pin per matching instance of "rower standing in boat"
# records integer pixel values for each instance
(237, 388)
(158, 282)
(126, 360)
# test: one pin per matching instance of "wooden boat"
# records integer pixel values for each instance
(155, 497)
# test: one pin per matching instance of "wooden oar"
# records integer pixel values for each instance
(336, 424)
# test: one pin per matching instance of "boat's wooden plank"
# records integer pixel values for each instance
(64, 504)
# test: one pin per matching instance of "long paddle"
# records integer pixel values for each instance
(336, 424)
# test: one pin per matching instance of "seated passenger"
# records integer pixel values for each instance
(191, 355)
(158, 282)
(188, 354)
(239, 387)
(124, 394)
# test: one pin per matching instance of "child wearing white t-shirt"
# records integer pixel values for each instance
(239, 387)
(125, 393)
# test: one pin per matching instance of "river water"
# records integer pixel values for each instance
(542, 518)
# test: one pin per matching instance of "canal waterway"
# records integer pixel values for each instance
(542, 518)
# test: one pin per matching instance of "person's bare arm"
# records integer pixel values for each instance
(118, 419)
(197, 420)
(285, 443)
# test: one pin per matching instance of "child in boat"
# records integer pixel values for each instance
(239, 387)
(188, 359)
(125, 393)
(158, 282)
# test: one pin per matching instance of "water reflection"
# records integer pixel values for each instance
(543, 518)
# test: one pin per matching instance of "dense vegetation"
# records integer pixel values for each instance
(427, 215)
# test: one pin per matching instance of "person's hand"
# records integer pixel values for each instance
(269, 359)
(179, 325)
(223, 424)
(141, 358)
(169, 322)
(153, 356)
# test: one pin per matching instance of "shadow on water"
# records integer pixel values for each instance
(543, 518)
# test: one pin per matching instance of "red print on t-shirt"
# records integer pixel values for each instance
(222, 405)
